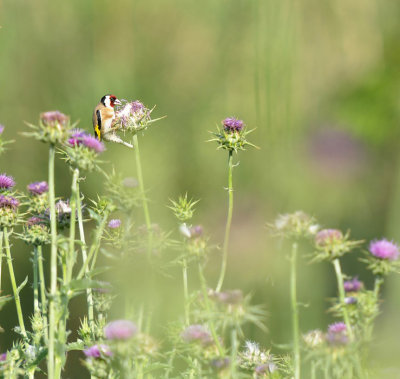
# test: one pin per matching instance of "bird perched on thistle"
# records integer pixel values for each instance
(103, 119)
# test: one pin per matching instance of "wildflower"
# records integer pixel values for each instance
(266, 368)
(327, 237)
(114, 223)
(120, 330)
(253, 356)
(98, 351)
(3, 356)
(337, 334)
(197, 333)
(230, 297)
(36, 231)
(63, 213)
(38, 188)
(350, 300)
(295, 225)
(8, 202)
(384, 249)
(232, 124)
(1, 129)
(313, 338)
(133, 116)
(54, 118)
(93, 144)
(6, 182)
(76, 136)
(353, 285)
(220, 363)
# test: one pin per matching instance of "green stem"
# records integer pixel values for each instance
(141, 186)
(234, 348)
(295, 311)
(14, 283)
(89, 295)
(35, 281)
(71, 252)
(208, 309)
(339, 278)
(1, 255)
(377, 287)
(186, 292)
(228, 224)
(42, 287)
(53, 266)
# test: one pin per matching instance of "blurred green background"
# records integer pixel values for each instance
(319, 80)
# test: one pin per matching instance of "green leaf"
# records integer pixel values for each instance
(22, 285)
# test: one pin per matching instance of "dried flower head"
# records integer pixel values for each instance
(38, 188)
(384, 249)
(353, 285)
(114, 223)
(197, 333)
(337, 334)
(314, 338)
(98, 351)
(133, 116)
(120, 330)
(253, 356)
(294, 225)
(6, 182)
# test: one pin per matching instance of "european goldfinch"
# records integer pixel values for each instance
(103, 117)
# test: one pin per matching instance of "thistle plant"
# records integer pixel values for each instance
(231, 137)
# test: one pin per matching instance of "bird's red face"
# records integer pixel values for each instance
(110, 101)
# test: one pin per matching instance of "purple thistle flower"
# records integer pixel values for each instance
(136, 106)
(53, 118)
(197, 333)
(3, 357)
(384, 249)
(1, 129)
(120, 330)
(93, 143)
(8, 202)
(38, 188)
(76, 137)
(35, 221)
(326, 237)
(352, 285)
(6, 182)
(114, 223)
(232, 124)
(337, 334)
(97, 351)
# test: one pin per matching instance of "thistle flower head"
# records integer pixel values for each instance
(3, 357)
(253, 356)
(313, 338)
(133, 116)
(93, 144)
(327, 237)
(114, 223)
(337, 334)
(350, 300)
(36, 231)
(384, 249)
(8, 210)
(63, 213)
(265, 369)
(197, 333)
(98, 351)
(6, 182)
(8, 202)
(294, 225)
(220, 363)
(183, 208)
(38, 188)
(232, 124)
(229, 297)
(120, 330)
(1, 129)
(353, 285)
(54, 118)
(76, 136)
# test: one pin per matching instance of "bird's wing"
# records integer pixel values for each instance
(97, 123)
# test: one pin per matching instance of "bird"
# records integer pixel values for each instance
(103, 118)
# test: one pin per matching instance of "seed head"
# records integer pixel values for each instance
(6, 182)
(384, 249)
(38, 188)
(120, 330)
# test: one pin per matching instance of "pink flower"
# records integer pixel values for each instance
(384, 249)
(120, 330)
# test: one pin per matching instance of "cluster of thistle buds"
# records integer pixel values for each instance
(232, 135)
(8, 202)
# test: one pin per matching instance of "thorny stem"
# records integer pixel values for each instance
(234, 348)
(339, 278)
(186, 292)
(14, 284)
(35, 281)
(377, 287)
(208, 309)
(295, 311)
(71, 252)
(42, 287)
(89, 295)
(142, 190)
(228, 224)
(53, 265)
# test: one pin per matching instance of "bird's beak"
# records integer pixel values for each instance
(117, 102)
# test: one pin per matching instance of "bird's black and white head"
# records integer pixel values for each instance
(110, 101)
